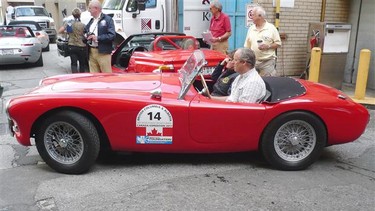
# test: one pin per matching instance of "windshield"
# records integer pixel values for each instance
(190, 70)
(133, 5)
(113, 4)
(30, 11)
(32, 26)
(15, 31)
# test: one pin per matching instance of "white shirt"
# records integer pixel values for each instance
(94, 29)
(247, 88)
(268, 35)
(85, 17)
(10, 9)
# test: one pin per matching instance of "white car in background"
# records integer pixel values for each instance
(38, 31)
(19, 45)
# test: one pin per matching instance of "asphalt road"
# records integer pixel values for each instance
(342, 179)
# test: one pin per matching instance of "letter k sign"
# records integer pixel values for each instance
(206, 1)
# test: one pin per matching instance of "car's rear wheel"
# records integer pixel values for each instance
(68, 142)
(293, 141)
(46, 48)
(39, 63)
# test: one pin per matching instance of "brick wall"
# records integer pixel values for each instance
(294, 23)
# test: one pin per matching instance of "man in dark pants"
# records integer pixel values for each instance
(77, 48)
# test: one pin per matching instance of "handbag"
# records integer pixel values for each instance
(63, 47)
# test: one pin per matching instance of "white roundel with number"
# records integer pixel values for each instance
(154, 124)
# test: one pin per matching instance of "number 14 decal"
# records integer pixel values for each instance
(152, 116)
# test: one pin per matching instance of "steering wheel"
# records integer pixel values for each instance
(205, 91)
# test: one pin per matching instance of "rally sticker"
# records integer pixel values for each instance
(154, 125)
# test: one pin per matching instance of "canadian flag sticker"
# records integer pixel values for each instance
(154, 125)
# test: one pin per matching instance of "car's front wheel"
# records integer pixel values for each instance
(68, 142)
(293, 141)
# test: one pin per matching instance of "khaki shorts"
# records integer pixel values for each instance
(220, 46)
(266, 67)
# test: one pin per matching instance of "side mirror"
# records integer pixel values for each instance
(13, 16)
(141, 6)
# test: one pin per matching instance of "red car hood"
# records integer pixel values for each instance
(87, 81)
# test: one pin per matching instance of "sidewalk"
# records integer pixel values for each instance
(369, 100)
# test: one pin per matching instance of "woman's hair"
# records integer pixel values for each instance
(76, 12)
(188, 44)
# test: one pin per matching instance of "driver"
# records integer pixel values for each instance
(248, 87)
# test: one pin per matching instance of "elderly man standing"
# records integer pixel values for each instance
(220, 28)
(100, 34)
(263, 38)
(248, 87)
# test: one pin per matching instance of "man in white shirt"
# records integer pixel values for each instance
(263, 38)
(10, 11)
(248, 87)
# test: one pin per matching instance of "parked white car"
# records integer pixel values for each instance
(18, 45)
(38, 31)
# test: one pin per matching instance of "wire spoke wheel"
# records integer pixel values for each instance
(68, 142)
(64, 143)
(295, 140)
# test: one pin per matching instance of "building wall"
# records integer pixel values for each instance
(363, 29)
(294, 23)
(55, 7)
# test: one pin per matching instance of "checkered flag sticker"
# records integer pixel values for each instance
(145, 24)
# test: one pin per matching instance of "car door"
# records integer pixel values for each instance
(212, 121)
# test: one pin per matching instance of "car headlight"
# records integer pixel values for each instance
(166, 68)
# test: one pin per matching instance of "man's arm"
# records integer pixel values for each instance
(247, 43)
(217, 71)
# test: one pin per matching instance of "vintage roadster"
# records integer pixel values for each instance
(73, 118)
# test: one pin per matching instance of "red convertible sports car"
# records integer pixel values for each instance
(147, 52)
(73, 118)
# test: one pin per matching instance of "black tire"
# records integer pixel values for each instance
(46, 48)
(293, 141)
(68, 142)
(39, 63)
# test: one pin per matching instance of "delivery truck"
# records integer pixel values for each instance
(142, 16)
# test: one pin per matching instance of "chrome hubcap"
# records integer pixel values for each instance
(295, 140)
(63, 143)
